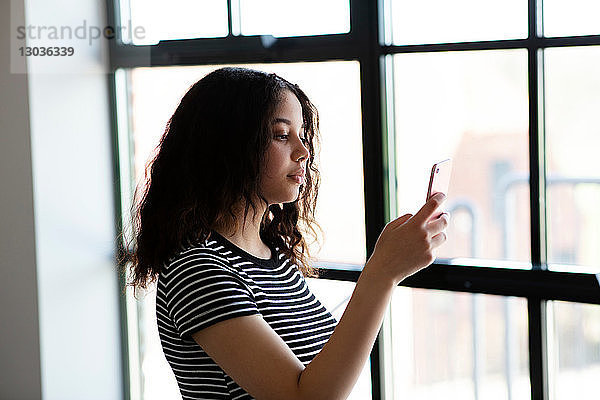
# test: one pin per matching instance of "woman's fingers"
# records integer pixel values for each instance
(407, 244)
(438, 239)
(427, 211)
(439, 224)
(437, 228)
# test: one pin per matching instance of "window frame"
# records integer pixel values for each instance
(368, 43)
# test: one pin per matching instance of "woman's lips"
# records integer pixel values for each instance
(297, 178)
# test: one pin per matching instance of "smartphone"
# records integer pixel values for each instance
(439, 181)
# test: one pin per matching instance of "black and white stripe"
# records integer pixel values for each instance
(214, 280)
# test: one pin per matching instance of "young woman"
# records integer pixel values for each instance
(218, 228)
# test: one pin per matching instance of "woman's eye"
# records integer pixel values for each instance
(304, 140)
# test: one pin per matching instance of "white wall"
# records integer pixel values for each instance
(19, 333)
(59, 133)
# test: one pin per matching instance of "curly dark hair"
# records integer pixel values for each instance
(209, 160)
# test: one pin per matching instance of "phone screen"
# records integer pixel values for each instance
(439, 181)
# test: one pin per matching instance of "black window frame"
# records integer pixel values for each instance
(365, 43)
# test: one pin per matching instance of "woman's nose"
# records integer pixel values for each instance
(301, 151)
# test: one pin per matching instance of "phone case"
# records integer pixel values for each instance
(439, 181)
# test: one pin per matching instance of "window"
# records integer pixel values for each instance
(294, 18)
(470, 106)
(334, 88)
(572, 87)
(578, 17)
(439, 21)
(179, 19)
(454, 345)
(192, 19)
(575, 358)
(508, 89)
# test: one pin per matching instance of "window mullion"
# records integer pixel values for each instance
(365, 28)
(537, 307)
(536, 146)
(538, 348)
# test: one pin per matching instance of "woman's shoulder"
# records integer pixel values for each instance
(197, 263)
(194, 253)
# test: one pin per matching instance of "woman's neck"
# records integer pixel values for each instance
(246, 235)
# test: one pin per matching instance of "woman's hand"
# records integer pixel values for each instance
(408, 243)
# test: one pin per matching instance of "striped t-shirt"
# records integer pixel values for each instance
(214, 280)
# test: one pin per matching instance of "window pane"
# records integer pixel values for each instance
(335, 296)
(294, 18)
(571, 18)
(459, 346)
(334, 87)
(572, 92)
(471, 107)
(175, 19)
(575, 348)
(441, 21)
(157, 380)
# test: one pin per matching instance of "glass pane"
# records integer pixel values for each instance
(572, 121)
(459, 346)
(294, 18)
(334, 87)
(571, 18)
(471, 107)
(335, 296)
(157, 380)
(176, 19)
(441, 21)
(575, 343)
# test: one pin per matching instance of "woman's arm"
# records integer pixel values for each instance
(256, 357)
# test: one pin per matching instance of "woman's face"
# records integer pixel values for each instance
(286, 157)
